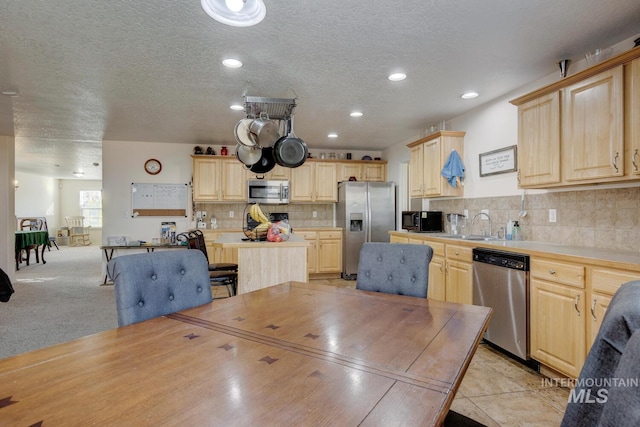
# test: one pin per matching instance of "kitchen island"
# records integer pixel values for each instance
(262, 264)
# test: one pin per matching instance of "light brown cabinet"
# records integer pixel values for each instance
(206, 179)
(366, 170)
(459, 274)
(218, 179)
(539, 141)
(632, 117)
(602, 284)
(427, 158)
(592, 127)
(314, 182)
(324, 254)
(218, 254)
(277, 173)
(599, 127)
(557, 315)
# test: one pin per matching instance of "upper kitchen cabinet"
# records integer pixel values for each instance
(427, 158)
(277, 173)
(539, 141)
(314, 182)
(632, 117)
(218, 179)
(206, 179)
(362, 170)
(592, 127)
(582, 129)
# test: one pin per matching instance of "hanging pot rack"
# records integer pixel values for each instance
(274, 108)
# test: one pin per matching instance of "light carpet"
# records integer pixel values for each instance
(57, 301)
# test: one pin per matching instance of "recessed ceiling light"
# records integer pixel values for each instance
(237, 13)
(469, 95)
(332, 135)
(396, 77)
(237, 107)
(356, 114)
(11, 93)
(78, 174)
(231, 63)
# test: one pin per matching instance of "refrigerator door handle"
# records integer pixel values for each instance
(367, 213)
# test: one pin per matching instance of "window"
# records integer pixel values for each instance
(91, 205)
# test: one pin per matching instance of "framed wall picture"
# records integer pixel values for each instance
(499, 161)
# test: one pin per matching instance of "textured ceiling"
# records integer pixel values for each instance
(144, 70)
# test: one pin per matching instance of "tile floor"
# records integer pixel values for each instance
(500, 391)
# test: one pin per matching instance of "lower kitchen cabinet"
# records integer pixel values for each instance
(437, 276)
(324, 254)
(557, 326)
(558, 329)
(216, 255)
(602, 284)
(459, 274)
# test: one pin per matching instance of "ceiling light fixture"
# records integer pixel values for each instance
(469, 95)
(356, 114)
(332, 135)
(78, 174)
(231, 63)
(10, 93)
(237, 107)
(236, 13)
(396, 77)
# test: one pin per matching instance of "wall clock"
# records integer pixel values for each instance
(153, 166)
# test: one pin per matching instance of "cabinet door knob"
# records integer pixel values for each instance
(575, 304)
(615, 161)
(593, 310)
(552, 271)
(633, 159)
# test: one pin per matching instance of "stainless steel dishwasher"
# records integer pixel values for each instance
(501, 281)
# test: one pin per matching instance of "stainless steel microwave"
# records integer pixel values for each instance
(423, 221)
(268, 191)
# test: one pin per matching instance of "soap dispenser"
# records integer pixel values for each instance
(516, 231)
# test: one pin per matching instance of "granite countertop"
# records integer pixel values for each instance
(609, 257)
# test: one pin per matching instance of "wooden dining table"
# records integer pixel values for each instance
(293, 354)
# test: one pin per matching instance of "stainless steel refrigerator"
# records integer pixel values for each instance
(366, 211)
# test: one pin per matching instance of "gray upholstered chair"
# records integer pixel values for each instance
(604, 361)
(394, 268)
(157, 283)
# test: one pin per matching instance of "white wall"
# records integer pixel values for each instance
(7, 194)
(38, 196)
(123, 164)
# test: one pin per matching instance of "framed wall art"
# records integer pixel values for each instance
(498, 161)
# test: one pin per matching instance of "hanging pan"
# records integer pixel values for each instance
(290, 151)
(248, 155)
(242, 133)
(266, 162)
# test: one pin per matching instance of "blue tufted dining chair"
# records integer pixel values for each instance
(157, 283)
(394, 268)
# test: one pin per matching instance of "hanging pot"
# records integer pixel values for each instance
(290, 151)
(266, 162)
(248, 155)
(242, 133)
(264, 131)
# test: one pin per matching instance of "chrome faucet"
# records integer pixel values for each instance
(488, 217)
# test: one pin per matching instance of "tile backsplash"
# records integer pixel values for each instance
(300, 215)
(605, 218)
